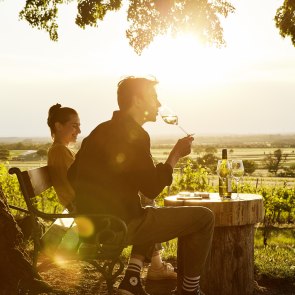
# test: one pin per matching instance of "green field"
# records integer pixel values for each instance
(256, 154)
(161, 152)
(260, 177)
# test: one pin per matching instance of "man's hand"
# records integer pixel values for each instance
(181, 149)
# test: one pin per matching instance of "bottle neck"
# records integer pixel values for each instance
(224, 154)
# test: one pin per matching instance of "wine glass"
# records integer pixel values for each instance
(171, 118)
(237, 171)
(223, 171)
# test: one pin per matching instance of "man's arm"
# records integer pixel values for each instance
(181, 149)
(155, 178)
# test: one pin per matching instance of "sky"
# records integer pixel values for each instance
(246, 87)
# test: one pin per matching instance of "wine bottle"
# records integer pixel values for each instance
(225, 189)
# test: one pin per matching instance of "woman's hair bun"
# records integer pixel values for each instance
(55, 108)
(52, 112)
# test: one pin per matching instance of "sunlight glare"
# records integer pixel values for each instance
(185, 60)
(60, 261)
(85, 226)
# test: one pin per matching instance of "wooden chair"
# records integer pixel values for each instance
(110, 239)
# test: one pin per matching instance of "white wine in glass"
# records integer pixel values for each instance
(171, 118)
(237, 171)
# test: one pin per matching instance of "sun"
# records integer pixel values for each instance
(182, 59)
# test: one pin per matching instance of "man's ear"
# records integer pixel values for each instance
(136, 101)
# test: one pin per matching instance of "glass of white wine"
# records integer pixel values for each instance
(171, 118)
(237, 171)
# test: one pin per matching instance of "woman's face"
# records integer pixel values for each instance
(68, 132)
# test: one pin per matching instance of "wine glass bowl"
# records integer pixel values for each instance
(237, 172)
(170, 117)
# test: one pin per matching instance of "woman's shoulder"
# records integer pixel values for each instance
(58, 148)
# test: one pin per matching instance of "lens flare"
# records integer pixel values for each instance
(120, 158)
(85, 226)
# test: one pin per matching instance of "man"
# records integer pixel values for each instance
(114, 164)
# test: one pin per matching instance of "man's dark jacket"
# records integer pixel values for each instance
(113, 165)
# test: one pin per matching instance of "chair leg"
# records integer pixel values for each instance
(35, 258)
(107, 271)
(36, 234)
(37, 247)
(110, 284)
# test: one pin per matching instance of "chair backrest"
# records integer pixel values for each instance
(38, 180)
(32, 182)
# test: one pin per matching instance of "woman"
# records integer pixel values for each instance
(64, 124)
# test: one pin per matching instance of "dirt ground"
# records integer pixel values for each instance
(75, 278)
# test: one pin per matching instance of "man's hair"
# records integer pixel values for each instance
(131, 86)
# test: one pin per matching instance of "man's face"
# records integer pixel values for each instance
(149, 104)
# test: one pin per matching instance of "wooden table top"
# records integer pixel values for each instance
(248, 210)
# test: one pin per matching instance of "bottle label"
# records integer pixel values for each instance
(229, 188)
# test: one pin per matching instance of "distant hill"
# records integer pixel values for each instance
(237, 140)
(25, 139)
(227, 140)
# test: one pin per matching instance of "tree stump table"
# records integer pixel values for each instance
(230, 267)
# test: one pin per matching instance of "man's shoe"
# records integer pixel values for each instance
(131, 285)
(166, 272)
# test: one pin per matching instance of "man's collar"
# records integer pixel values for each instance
(127, 119)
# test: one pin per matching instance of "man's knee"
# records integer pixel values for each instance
(206, 216)
(210, 217)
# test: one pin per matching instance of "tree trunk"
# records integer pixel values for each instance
(14, 265)
(231, 264)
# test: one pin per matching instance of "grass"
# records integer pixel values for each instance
(279, 236)
(277, 259)
(275, 262)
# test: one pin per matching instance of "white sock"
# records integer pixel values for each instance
(156, 262)
(190, 284)
(134, 265)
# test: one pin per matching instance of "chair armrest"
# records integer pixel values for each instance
(19, 209)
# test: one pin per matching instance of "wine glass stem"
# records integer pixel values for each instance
(183, 130)
(238, 197)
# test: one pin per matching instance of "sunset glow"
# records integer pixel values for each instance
(254, 70)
